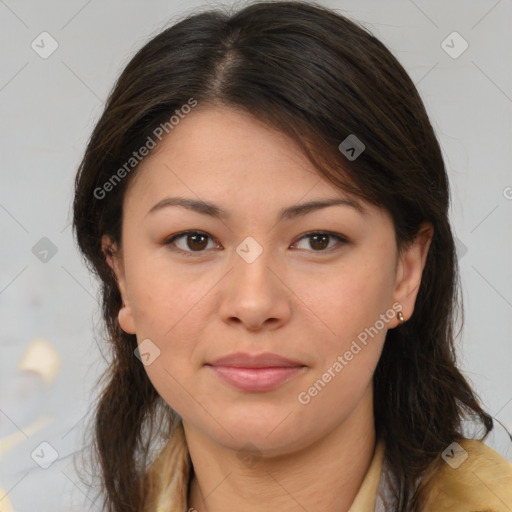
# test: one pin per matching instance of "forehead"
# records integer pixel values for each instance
(230, 159)
(224, 148)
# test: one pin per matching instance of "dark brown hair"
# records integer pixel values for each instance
(318, 77)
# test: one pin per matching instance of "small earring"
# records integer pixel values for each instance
(400, 317)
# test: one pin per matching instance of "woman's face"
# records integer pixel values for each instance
(252, 281)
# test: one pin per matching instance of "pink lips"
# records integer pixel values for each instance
(261, 372)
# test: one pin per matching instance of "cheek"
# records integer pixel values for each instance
(347, 301)
(353, 333)
(351, 312)
(167, 299)
(171, 311)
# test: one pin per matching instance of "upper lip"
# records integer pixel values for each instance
(267, 360)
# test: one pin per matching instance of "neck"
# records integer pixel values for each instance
(325, 475)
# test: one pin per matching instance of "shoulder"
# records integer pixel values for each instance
(472, 478)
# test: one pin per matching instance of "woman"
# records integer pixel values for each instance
(266, 205)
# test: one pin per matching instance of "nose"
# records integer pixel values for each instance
(254, 293)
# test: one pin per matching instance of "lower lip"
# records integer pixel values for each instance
(256, 379)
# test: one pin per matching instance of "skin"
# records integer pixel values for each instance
(299, 299)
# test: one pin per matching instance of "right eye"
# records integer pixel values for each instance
(192, 239)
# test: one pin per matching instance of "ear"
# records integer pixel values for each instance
(410, 269)
(115, 261)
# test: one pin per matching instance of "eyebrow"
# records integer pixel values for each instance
(290, 212)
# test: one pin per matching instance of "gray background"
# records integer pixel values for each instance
(49, 107)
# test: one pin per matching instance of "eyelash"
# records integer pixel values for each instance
(169, 241)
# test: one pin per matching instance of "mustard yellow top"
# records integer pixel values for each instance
(480, 481)
(472, 477)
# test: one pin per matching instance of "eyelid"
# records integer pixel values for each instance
(342, 240)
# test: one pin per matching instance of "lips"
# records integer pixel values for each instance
(256, 373)
(266, 360)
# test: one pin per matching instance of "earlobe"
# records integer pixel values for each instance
(125, 319)
(410, 270)
(114, 260)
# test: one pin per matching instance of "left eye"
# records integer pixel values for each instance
(197, 241)
(319, 239)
